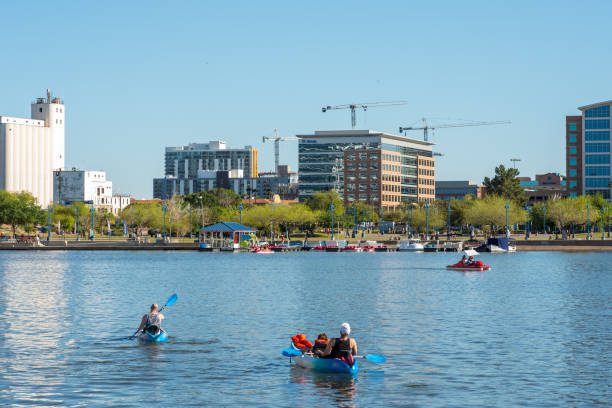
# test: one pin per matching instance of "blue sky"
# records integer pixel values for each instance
(139, 76)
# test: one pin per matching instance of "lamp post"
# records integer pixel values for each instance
(544, 215)
(49, 223)
(507, 206)
(426, 219)
(448, 234)
(190, 223)
(164, 209)
(588, 219)
(76, 225)
(410, 219)
(603, 221)
(367, 216)
(93, 222)
(527, 222)
(241, 208)
(608, 220)
(331, 208)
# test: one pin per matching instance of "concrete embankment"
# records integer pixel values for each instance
(564, 245)
(100, 246)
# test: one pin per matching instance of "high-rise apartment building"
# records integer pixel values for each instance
(203, 166)
(375, 168)
(588, 151)
(31, 149)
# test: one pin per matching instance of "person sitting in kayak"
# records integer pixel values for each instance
(320, 343)
(151, 322)
(343, 348)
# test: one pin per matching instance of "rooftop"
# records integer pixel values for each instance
(594, 105)
(227, 227)
(362, 133)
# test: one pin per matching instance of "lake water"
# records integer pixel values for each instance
(533, 331)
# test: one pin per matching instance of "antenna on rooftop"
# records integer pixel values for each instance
(514, 162)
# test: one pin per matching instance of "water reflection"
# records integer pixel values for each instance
(340, 389)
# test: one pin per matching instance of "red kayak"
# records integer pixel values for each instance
(476, 266)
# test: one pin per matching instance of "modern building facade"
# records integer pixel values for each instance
(32, 149)
(544, 187)
(588, 151)
(90, 187)
(375, 168)
(458, 189)
(204, 166)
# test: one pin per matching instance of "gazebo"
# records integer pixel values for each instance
(224, 235)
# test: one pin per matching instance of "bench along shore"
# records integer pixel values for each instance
(390, 246)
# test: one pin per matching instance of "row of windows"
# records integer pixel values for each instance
(408, 151)
(391, 157)
(429, 163)
(336, 147)
(605, 193)
(597, 182)
(426, 172)
(393, 198)
(597, 170)
(391, 177)
(391, 187)
(429, 191)
(597, 124)
(430, 182)
(362, 166)
(361, 187)
(362, 176)
(391, 167)
(597, 159)
(597, 147)
(593, 135)
(362, 197)
(572, 138)
(362, 156)
(598, 112)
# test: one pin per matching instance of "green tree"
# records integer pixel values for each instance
(491, 211)
(20, 209)
(505, 184)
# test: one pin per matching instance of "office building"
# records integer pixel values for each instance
(588, 151)
(375, 168)
(544, 187)
(458, 189)
(32, 149)
(89, 187)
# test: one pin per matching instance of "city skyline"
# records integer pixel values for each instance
(137, 80)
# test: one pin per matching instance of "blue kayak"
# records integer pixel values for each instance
(325, 365)
(147, 337)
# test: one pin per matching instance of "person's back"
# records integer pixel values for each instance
(151, 322)
(343, 348)
(320, 343)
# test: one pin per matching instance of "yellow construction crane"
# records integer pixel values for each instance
(277, 141)
(364, 106)
(426, 127)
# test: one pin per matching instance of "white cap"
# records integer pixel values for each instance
(345, 328)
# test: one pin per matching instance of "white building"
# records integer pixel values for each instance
(31, 149)
(74, 185)
(119, 202)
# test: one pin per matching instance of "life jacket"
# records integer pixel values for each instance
(153, 323)
(299, 341)
(342, 351)
(320, 345)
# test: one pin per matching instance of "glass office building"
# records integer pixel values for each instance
(588, 156)
(375, 168)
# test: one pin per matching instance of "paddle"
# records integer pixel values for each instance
(171, 300)
(370, 357)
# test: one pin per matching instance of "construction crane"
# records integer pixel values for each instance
(277, 141)
(426, 127)
(364, 106)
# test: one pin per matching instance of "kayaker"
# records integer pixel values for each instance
(320, 343)
(151, 322)
(343, 348)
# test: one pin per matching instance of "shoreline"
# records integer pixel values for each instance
(521, 246)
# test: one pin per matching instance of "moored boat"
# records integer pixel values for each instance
(353, 248)
(497, 245)
(410, 245)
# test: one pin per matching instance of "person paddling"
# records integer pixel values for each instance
(343, 348)
(151, 322)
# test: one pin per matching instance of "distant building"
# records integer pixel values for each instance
(32, 149)
(371, 167)
(90, 187)
(204, 166)
(587, 140)
(445, 190)
(544, 187)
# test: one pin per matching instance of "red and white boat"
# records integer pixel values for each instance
(477, 266)
(353, 248)
(260, 250)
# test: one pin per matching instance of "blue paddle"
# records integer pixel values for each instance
(291, 352)
(171, 300)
